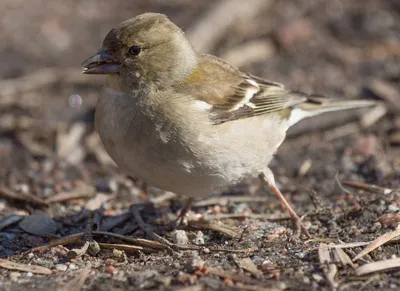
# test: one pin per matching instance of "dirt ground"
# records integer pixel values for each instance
(341, 171)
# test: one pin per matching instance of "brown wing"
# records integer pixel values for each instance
(234, 95)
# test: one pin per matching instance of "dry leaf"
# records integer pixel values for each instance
(378, 242)
(378, 266)
(248, 265)
(25, 268)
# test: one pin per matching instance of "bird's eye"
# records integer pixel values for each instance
(135, 50)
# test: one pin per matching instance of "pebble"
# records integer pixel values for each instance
(117, 253)
(317, 277)
(180, 238)
(61, 267)
(72, 267)
(111, 270)
(14, 276)
(199, 239)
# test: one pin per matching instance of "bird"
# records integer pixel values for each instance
(191, 123)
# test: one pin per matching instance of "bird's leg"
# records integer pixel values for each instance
(182, 214)
(267, 177)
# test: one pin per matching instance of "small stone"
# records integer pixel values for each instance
(318, 277)
(111, 270)
(72, 267)
(199, 239)
(14, 276)
(43, 262)
(180, 238)
(117, 253)
(194, 263)
(61, 267)
(206, 250)
(110, 262)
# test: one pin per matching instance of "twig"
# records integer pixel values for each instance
(378, 266)
(127, 248)
(330, 268)
(271, 217)
(147, 228)
(71, 239)
(368, 187)
(8, 194)
(66, 196)
(376, 243)
(233, 199)
(217, 227)
(75, 253)
(97, 216)
(136, 241)
(339, 183)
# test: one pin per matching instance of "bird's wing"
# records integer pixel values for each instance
(229, 94)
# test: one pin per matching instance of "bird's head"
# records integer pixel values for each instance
(147, 48)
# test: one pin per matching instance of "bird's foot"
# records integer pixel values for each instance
(298, 228)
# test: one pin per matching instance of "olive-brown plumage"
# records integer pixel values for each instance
(189, 123)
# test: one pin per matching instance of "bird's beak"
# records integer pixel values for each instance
(100, 63)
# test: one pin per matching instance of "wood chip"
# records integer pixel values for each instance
(304, 168)
(219, 227)
(97, 201)
(329, 267)
(6, 264)
(378, 242)
(248, 265)
(378, 266)
(370, 117)
(76, 253)
(82, 191)
(386, 91)
(344, 258)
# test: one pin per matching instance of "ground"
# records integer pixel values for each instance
(340, 171)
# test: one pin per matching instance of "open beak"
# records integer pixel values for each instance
(100, 63)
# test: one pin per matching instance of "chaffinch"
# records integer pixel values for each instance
(191, 123)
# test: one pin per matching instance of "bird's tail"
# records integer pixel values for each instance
(316, 105)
